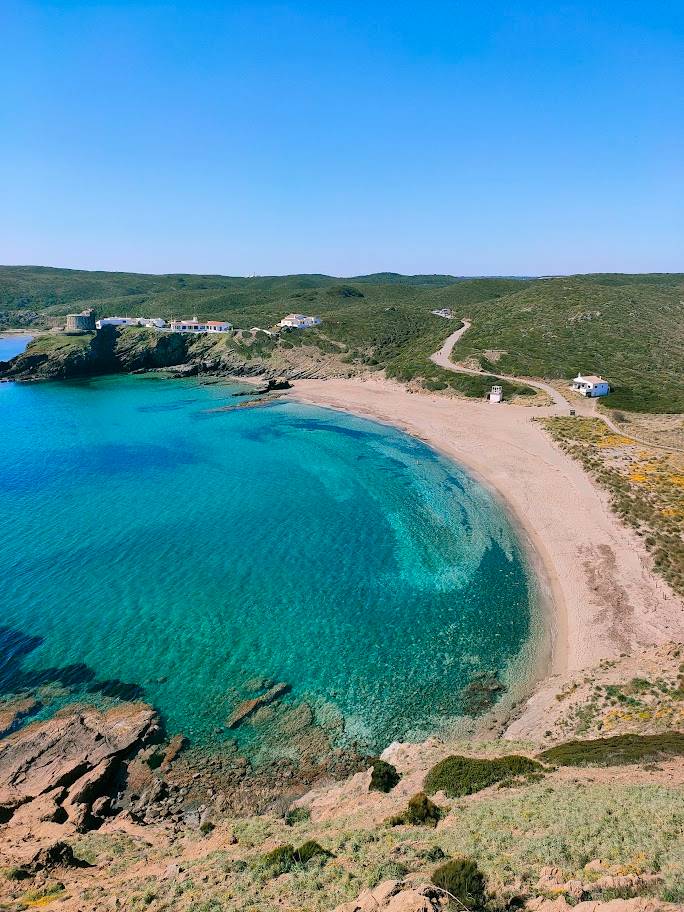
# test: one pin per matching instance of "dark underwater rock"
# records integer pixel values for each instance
(14, 710)
(247, 707)
(481, 693)
(121, 690)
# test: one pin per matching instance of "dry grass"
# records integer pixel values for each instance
(646, 486)
(512, 834)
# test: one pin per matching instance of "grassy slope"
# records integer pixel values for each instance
(624, 327)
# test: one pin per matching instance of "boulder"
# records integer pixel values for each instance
(397, 896)
(58, 855)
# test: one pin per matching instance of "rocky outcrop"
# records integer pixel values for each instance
(13, 710)
(57, 855)
(60, 769)
(398, 896)
(247, 707)
(110, 350)
(116, 349)
(638, 904)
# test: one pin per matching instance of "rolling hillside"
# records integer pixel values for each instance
(626, 327)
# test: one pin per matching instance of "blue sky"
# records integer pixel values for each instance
(461, 137)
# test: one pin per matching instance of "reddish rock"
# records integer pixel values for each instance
(247, 707)
(76, 753)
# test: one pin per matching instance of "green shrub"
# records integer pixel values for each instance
(17, 873)
(284, 857)
(616, 751)
(384, 776)
(279, 860)
(206, 827)
(463, 880)
(297, 815)
(433, 853)
(456, 775)
(420, 811)
(310, 849)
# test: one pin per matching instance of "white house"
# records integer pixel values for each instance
(445, 312)
(496, 394)
(218, 326)
(591, 385)
(198, 326)
(152, 322)
(299, 321)
(116, 321)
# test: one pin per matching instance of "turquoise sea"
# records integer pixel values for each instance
(13, 345)
(151, 538)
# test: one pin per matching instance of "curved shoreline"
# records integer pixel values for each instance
(602, 599)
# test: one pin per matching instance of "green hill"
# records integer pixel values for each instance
(625, 327)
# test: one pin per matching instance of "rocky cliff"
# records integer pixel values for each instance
(108, 351)
(126, 350)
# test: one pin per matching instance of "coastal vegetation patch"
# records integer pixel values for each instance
(646, 486)
(420, 812)
(459, 775)
(463, 881)
(582, 829)
(617, 750)
(384, 776)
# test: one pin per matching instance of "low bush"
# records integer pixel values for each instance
(420, 811)
(297, 815)
(155, 760)
(384, 776)
(279, 860)
(284, 857)
(42, 896)
(615, 751)
(17, 873)
(462, 879)
(310, 849)
(457, 775)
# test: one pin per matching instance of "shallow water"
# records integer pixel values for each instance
(13, 345)
(147, 537)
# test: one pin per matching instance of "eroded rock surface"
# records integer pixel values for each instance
(63, 766)
(397, 896)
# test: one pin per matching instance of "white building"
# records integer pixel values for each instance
(443, 312)
(219, 326)
(198, 326)
(299, 321)
(591, 385)
(496, 394)
(152, 322)
(116, 321)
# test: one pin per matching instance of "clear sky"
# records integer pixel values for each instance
(518, 137)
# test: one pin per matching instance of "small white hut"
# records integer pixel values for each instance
(591, 385)
(496, 394)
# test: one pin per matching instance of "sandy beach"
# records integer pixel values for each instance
(605, 600)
